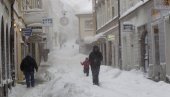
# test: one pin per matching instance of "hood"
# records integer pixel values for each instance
(95, 48)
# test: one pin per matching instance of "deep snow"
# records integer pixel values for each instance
(64, 78)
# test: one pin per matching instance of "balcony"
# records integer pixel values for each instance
(33, 17)
(33, 11)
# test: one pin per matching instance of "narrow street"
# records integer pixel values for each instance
(63, 76)
(47, 46)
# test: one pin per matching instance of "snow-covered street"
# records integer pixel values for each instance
(63, 77)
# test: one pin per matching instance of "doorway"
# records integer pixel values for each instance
(156, 45)
(144, 51)
(110, 53)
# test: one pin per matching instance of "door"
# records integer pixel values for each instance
(110, 53)
(144, 51)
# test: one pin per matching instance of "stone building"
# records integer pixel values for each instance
(5, 48)
(106, 20)
(86, 30)
(143, 33)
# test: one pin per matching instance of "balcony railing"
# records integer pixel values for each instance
(31, 5)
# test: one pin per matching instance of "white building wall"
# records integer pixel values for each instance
(84, 32)
(5, 11)
(167, 34)
(130, 40)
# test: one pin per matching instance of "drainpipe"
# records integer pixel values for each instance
(95, 16)
(120, 47)
(12, 16)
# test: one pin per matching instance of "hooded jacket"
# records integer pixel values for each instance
(86, 63)
(28, 64)
(95, 57)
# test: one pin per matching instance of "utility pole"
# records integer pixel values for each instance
(120, 47)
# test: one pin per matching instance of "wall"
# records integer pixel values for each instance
(130, 40)
(167, 27)
(84, 32)
(104, 12)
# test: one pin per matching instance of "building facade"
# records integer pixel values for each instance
(19, 47)
(33, 13)
(159, 31)
(15, 45)
(143, 33)
(86, 30)
(134, 25)
(106, 20)
(144, 29)
(5, 34)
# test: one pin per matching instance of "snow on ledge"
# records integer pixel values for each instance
(35, 24)
(34, 10)
(91, 39)
(133, 8)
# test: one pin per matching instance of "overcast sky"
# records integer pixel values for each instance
(80, 5)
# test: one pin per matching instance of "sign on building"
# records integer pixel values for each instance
(162, 4)
(111, 37)
(128, 27)
(27, 31)
(47, 22)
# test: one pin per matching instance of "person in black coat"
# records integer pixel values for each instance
(95, 59)
(28, 66)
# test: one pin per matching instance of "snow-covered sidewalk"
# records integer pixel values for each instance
(64, 78)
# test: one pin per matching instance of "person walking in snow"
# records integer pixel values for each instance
(95, 59)
(28, 65)
(86, 64)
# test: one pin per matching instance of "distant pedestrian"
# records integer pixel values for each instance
(86, 64)
(95, 59)
(28, 65)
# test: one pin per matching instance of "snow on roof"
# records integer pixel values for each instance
(35, 24)
(133, 8)
(91, 39)
(34, 10)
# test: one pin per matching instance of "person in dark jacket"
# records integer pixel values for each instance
(28, 66)
(95, 59)
(86, 64)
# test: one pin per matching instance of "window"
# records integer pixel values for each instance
(88, 25)
(113, 6)
(108, 9)
(113, 11)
